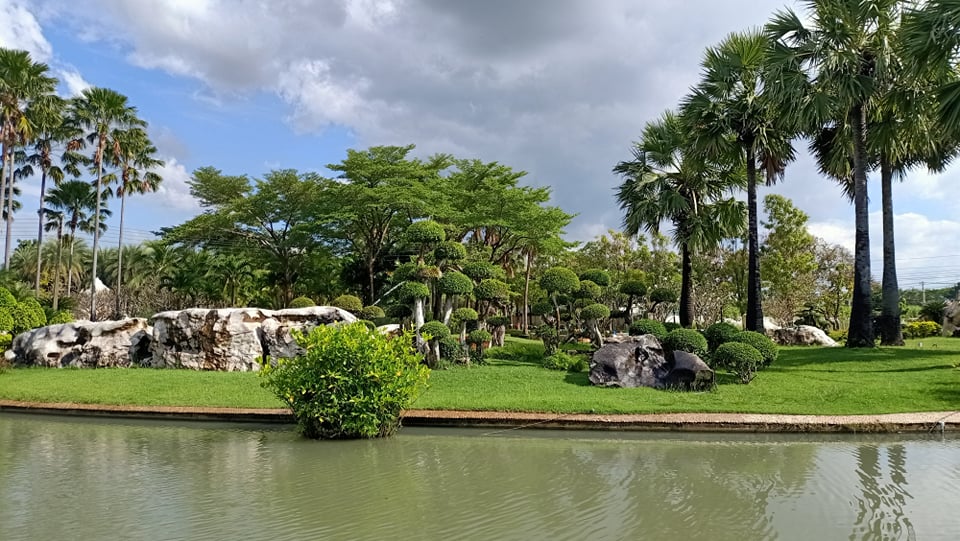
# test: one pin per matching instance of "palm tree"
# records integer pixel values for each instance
(99, 112)
(828, 72)
(21, 81)
(931, 36)
(235, 272)
(667, 181)
(731, 106)
(77, 201)
(55, 222)
(133, 153)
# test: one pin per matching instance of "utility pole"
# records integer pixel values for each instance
(923, 294)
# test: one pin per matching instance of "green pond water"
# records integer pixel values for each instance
(89, 479)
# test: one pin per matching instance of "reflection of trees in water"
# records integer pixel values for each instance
(880, 507)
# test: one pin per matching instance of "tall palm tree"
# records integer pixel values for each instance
(21, 81)
(931, 36)
(731, 106)
(235, 272)
(828, 71)
(99, 112)
(55, 223)
(77, 201)
(51, 133)
(133, 154)
(668, 181)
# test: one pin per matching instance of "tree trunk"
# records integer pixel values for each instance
(889, 321)
(860, 333)
(116, 294)
(447, 309)
(417, 314)
(498, 335)
(3, 178)
(629, 318)
(686, 288)
(754, 302)
(43, 191)
(73, 241)
(595, 335)
(9, 203)
(56, 272)
(526, 297)
(371, 263)
(96, 239)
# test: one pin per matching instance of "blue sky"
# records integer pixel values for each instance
(557, 88)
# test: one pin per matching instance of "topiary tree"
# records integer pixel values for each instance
(738, 357)
(498, 326)
(348, 383)
(592, 315)
(641, 327)
(372, 312)
(719, 333)
(436, 332)
(350, 303)
(462, 316)
(550, 338)
(478, 338)
(415, 293)
(687, 340)
(448, 252)
(481, 270)
(492, 292)
(632, 289)
(767, 348)
(588, 290)
(559, 281)
(424, 234)
(304, 302)
(453, 284)
(452, 350)
(597, 276)
(659, 296)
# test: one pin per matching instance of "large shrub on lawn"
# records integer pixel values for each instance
(767, 347)
(641, 327)
(719, 333)
(349, 383)
(687, 340)
(740, 358)
(921, 329)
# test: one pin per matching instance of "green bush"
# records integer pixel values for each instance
(838, 335)
(921, 329)
(413, 290)
(6, 320)
(59, 317)
(559, 280)
(641, 327)
(456, 283)
(687, 340)
(350, 303)
(436, 330)
(7, 300)
(740, 358)
(588, 290)
(449, 251)
(767, 348)
(481, 270)
(597, 276)
(452, 350)
(671, 326)
(564, 361)
(349, 383)
(27, 315)
(550, 338)
(302, 302)
(595, 311)
(5, 341)
(477, 338)
(372, 312)
(425, 232)
(719, 333)
(491, 289)
(498, 321)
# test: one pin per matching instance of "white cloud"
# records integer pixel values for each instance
(319, 99)
(833, 233)
(174, 193)
(74, 82)
(20, 30)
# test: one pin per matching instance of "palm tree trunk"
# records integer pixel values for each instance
(889, 321)
(73, 241)
(9, 203)
(526, 296)
(43, 191)
(3, 181)
(96, 241)
(371, 262)
(116, 294)
(754, 303)
(686, 288)
(860, 333)
(56, 272)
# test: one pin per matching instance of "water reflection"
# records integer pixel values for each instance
(95, 480)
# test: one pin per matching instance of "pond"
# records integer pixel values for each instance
(79, 478)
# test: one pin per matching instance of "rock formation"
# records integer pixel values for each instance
(83, 344)
(801, 335)
(951, 318)
(639, 361)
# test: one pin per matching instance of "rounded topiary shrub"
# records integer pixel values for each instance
(7, 300)
(303, 302)
(456, 283)
(478, 336)
(671, 326)
(413, 290)
(450, 251)
(648, 326)
(350, 303)
(465, 314)
(559, 280)
(595, 311)
(597, 276)
(349, 382)
(498, 321)
(719, 333)
(588, 290)
(436, 330)
(687, 340)
(425, 232)
(738, 357)
(767, 348)
(480, 270)
(492, 290)
(371, 312)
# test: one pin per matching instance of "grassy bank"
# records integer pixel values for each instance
(804, 380)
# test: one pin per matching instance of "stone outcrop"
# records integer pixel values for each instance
(801, 335)
(233, 339)
(639, 361)
(951, 318)
(83, 344)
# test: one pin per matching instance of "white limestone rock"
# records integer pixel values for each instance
(83, 344)
(801, 335)
(951, 318)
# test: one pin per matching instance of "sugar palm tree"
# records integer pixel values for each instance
(731, 106)
(931, 36)
(77, 201)
(21, 81)
(99, 112)
(666, 181)
(133, 154)
(828, 70)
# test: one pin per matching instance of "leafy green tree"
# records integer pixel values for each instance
(788, 258)
(453, 284)
(77, 201)
(559, 281)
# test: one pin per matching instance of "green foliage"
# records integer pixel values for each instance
(304, 302)
(349, 383)
(633, 287)
(436, 330)
(5, 341)
(464, 314)
(27, 315)
(840, 336)
(542, 307)
(481, 270)
(7, 300)
(564, 361)
(368, 324)
(550, 337)
(425, 232)
(921, 329)
(648, 326)
(767, 348)
(498, 321)
(597, 276)
(671, 326)
(687, 340)
(452, 350)
(6, 320)
(492, 290)
(413, 290)
(425, 273)
(559, 280)
(450, 251)
(719, 333)
(588, 290)
(595, 311)
(932, 311)
(59, 317)
(456, 283)
(741, 358)
(662, 295)
(478, 336)
(350, 303)
(371, 312)
(404, 272)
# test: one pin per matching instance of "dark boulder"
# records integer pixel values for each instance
(641, 362)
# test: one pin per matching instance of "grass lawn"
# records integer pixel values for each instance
(803, 380)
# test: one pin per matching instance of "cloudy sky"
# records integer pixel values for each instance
(557, 88)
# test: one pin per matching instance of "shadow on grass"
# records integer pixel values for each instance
(579, 379)
(947, 392)
(824, 356)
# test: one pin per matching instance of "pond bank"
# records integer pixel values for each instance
(692, 422)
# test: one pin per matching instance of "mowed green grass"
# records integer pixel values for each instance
(803, 381)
